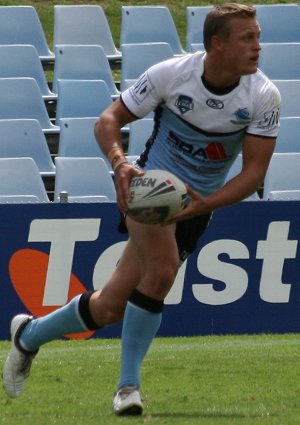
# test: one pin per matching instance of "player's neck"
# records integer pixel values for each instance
(216, 79)
(219, 89)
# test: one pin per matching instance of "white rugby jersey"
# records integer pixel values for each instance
(198, 134)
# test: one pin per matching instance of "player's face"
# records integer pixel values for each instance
(241, 47)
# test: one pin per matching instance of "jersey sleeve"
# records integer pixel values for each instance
(149, 90)
(266, 111)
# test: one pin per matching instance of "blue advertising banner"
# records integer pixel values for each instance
(243, 277)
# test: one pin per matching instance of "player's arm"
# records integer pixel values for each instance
(108, 135)
(257, 153)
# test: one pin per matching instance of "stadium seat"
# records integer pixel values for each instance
(84, 179)
(139, 132)
(21, 98)
(22, 25)
(234, 170)
(284, 195)
(137, 57)
(282, 174)
(288, 139)
(290, 92)
(279, 23)
(25, 138)
(84, 24)
(280, 61)
(81, 98)
(146, 24)
(20, 180)
(195, 16)
(197, 47)
(77, 139)
(23, 61)
(83, 62)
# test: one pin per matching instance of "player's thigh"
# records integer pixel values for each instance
(153, 244)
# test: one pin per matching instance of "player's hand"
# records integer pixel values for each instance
(123, 176)
(196, 206)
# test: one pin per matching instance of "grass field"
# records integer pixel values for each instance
(226, 380)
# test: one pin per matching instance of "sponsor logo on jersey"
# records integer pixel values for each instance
(214, 151)
(215, 103)
(270, 119)
(184, 104)
(140, 90)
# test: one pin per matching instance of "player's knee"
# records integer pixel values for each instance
(160, 281)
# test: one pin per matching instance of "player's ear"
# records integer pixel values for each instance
(216, 43)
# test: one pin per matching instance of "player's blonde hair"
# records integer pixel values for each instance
(218, 20)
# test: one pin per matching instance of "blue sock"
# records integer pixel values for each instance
(63, 321)
(139, 329)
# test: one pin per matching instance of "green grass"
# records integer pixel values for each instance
(228, 380)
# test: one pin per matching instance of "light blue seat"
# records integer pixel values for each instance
(280, 61)
(77, 139)
(81, 98)
(195, 17)
(282, 174)
(148, 24)
(20, 60)
(279, 23)
(20, 180)
(83, 178)
(288, 139)
(236, 169)
(21, 98)
(197, 47)
(284, 195)
(84, 24)
(25, 138)
(22, 25)
(83, 62)
(10, 199)
(137, 57)
(290, 95)
(139, 133)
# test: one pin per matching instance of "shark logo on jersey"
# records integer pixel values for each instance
(184, 104)
(242, 116)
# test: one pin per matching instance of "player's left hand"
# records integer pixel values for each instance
(196, 206)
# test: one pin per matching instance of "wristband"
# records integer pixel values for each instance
(115, 150)
(120, 160)
(116, 157)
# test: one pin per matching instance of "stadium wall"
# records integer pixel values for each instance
(243, 278)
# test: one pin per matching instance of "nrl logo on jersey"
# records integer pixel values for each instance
(184, 104)
(242, 116)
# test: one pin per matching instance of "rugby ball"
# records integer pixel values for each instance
(156, 197)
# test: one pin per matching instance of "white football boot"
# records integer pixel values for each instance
(17, 365)
(127, 401)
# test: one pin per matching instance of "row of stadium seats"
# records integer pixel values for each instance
(82, 179)
(21, 98)
(88, 24)
(83, 85)
(86, 179)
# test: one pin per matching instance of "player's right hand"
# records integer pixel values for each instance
(123, 176)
